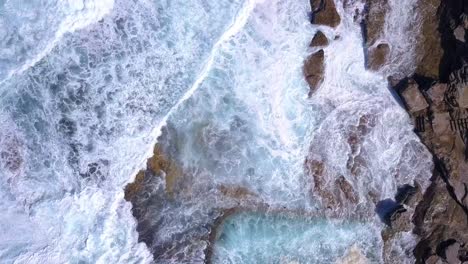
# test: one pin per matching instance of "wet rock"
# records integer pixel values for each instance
(374, 20)
(448, 250)
(347, 189)
(324, 13)
(436, 94)
(314, 69)
(378, 56)
(319, 40)
(429, 51)
(404, 193)
(134, 188)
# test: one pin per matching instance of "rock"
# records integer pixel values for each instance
(314, 69)
(436, 95)
(463, 96)
(414, 99)
(11, 157)
(377, 56)
(401, 221)
(405, 193)
(347, 189)
(324, 13)
(319, 40)
(434, 260)
(440, 218)
(374, 20)
(237, 192)
(459, 33)
(441, 123)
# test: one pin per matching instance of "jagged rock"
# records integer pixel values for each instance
(314, 69)
(347, 189)
(435, 98)
(353, 256)
(319, 40)
(400, 220)
(405, 193)
(414, 99)
(436, 94)
(374, 20)
(434, 260)
(237, 192)
(378, 56)
(429, 51)
(451, 253)
(459, 33)
(324, 13)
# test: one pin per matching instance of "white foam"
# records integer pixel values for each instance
(67, 17)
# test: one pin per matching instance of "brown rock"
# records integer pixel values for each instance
(314, 69)
(325, 13)
(159, 164)
(375, 20)
(378, 56)
(436, 94)
(319, 40)
(132, 189)
(401, 221)
(414, 99)
(429, 51)
(347, 189)
(237, 192)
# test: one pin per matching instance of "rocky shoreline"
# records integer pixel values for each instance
(436, 99)
(435, 96)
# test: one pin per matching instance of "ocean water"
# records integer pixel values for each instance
(254, 238)
(87, 86)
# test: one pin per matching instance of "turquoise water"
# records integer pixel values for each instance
(263, 238)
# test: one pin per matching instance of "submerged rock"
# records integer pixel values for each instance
(378, 56)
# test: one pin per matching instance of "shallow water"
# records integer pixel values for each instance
(258, 238)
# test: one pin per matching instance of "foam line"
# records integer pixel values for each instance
(83, 14)
(237, 24)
